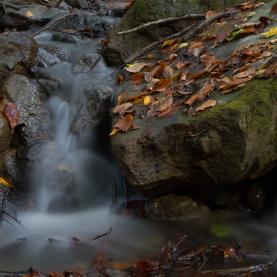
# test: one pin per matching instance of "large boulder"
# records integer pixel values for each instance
(142, 11)
(214, 151)
(174, 144)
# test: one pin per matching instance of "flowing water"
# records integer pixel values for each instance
(71, 186)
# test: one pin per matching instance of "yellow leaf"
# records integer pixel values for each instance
(270, 33)
(114, 132)
(5, 183)
(147, 100)
(183, 45)
(29, 14)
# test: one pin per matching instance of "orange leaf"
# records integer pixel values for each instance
(162, 85)
(206, 105)
(137, 78)
(196, 48)
(125, 123)
(12, 114)
(247, 73)
(123, 108)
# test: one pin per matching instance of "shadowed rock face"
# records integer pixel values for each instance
(212, 152)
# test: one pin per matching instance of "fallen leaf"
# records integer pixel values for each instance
(205, 90)
(119, 78)
(271, 32)
(138, 78)
(136, 67)
(210, 14)
(5, 183)
(114, 132)
(274, 8)
(29, 13)
(230, 253)
(169, 42)
(168, 73)
(12, 114)
(123, 108)
(162, 85)
(209, 103)
(125, 123)
(164, 103)
(148, 100)
(183, 45)
(246, 6)
(196, 48)
(247, 73)
(142, 268)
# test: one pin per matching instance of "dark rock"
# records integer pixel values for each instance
(86, 63)
(30, 101)
(175, 207)
(233, 142)
(95, 108)
(16, 49)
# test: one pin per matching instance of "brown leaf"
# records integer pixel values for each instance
(162, 85)
(138, 78)
(210, 14)
(136, 67)
(123, 108)
(196, 48)
(274, 8)
(206, 89)
(245, 74)
(168, 73)
(142, 268)
(125, 123)
(209, 103)
(164, 103)
(12, 114)
(119, 78)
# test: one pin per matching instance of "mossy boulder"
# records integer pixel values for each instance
(207, 155)
(143, 11)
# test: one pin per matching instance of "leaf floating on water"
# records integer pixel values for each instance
(136, 67)
(12, 114)
(5, 183)
(208, 104)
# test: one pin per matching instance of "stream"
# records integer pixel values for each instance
(72, 186)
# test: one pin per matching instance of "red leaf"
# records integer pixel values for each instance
(12, 114)
(274, 8)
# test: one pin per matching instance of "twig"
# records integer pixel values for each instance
(101, 236)
(242, 270)
(3, 3)
(186, 30)
(162, 21)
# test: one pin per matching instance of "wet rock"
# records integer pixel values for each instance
(5, 134)
(86, 63)
(95, 108)
(10, 163)
(30, 101)
(63, 37)
(212, 152)
(175, 207)
(121, 47)
(16, 49)
(50, 55)
(80, 4)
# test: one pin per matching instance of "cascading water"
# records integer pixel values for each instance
(71, 185)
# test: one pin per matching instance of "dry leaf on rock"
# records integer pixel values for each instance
(136, 67)
(209, 103)
(123, 108)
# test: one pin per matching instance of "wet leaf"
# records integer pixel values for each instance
(125, 123)
(123, 108)
(230, 253)
(210, 14)
(162, 85)
(136, 67)
(206, 89)
(270, 33)
(29, 13)
(119, 78)
(196, 48)
(5, 183)
(209, 103)
(138, 78)
(274, 8)
(183, 45)
(247, 73)
(12, 114)
(148, 100)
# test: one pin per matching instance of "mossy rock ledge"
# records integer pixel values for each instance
(208, 154)
(142, 11)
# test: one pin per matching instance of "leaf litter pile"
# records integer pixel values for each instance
(189, 74)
